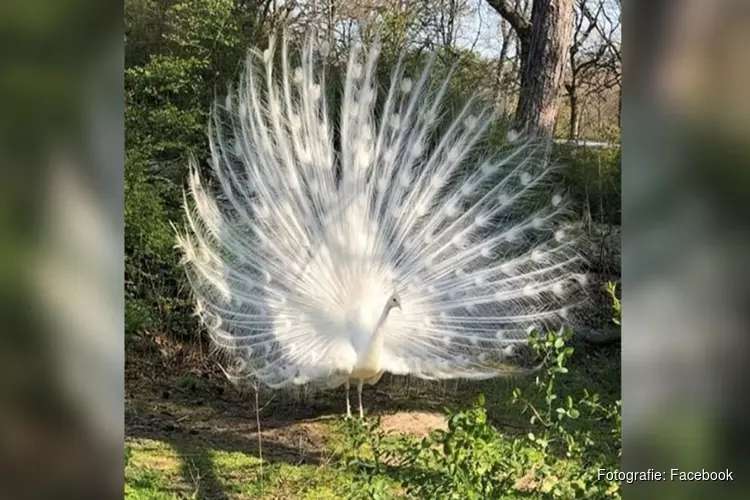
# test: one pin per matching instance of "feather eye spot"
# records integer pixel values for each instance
(298, 76)
(451, 210)
(356, 70)
(529, 291)
(366, 133)
(437, 182)
(365, 158)
(503, 199)
(389, 156)
(556, 200)
(406, 85)
(537, 255)
(537, 223)
(470, 122)
(366, 96)
(315, 92)
(295, 122)
(417, 149)
(560, 235)
(486, 253)
(468, 188)
(525, 178)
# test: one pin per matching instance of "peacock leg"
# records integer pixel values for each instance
(348, 406)
(360, 383)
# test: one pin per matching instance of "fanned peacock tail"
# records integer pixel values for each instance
(292, 259)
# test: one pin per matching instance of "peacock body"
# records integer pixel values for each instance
(405, 250)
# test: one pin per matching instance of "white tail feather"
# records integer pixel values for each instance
(292, 266)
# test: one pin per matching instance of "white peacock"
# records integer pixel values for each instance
(417, 257)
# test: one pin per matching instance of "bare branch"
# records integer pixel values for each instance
(518, 22)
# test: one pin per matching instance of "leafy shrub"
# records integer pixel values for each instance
(572, 438)
(592, 176)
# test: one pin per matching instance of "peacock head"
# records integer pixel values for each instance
(393, 301)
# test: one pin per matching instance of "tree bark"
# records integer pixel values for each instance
(543, 67)
(574, 119)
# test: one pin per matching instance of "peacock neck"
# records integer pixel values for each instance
(370, 358)
(377, 335)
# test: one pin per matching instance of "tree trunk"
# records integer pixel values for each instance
(544, 58)
(574, 120)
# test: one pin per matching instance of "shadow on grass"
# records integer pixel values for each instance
(194, 450)
(197, 467)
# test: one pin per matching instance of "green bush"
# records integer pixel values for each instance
(592, 177)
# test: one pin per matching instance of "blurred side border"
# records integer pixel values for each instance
(686, 125)
(61, 248)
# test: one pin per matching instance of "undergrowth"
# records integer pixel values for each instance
(571, 438)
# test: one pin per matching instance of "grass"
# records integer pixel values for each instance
(156, 470)
(191, 435)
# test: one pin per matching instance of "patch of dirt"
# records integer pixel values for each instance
(528, 483)
(303, 436)
(415, 422)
